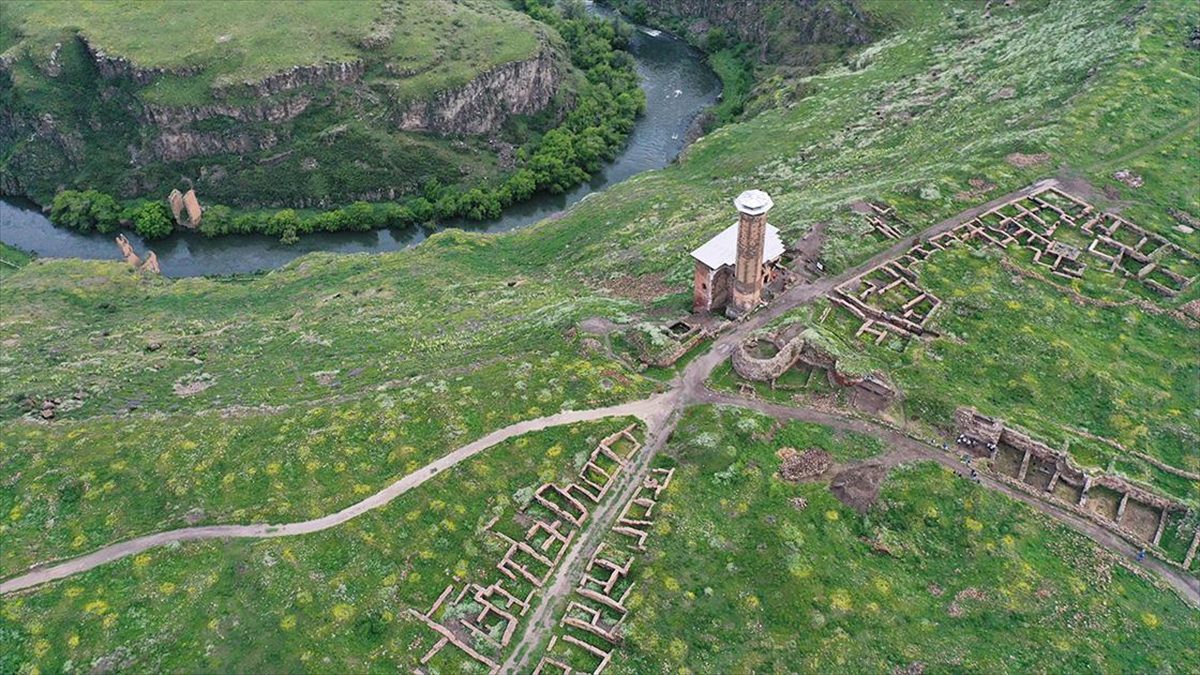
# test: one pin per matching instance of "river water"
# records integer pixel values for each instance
(678, 87)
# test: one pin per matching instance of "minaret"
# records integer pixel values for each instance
(752, 206)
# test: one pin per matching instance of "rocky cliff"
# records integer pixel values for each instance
(308, 134)
(483, 104)
(786, 32)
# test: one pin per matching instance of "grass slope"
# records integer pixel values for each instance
(1099, 85)
(267, 398)
(230, 41)
(740, 581)
(1028, 352)
(334, 601)
(912, 118)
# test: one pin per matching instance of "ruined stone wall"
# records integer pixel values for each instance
(720, 287)
(702, 280)
(763, 370)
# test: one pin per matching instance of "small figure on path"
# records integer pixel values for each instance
(1141, 555)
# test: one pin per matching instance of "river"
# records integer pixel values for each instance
(678, 86)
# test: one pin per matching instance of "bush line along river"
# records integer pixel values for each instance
(678, 87)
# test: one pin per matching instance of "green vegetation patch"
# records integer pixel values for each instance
(912, 118)
(12, 259)
(335, 601)
(939, 572)
(273, 397)
(225, 42)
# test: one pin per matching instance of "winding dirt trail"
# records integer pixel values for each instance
(649, 410)
(659, 413)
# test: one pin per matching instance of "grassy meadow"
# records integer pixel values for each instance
(335, 601)
(265, 398)
(1031, 353)
(223, 43)
(293, 393)
(938, 572)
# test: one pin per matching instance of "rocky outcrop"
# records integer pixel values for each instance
(118, 67)
(276, 110)
(294, 78)
(483, 104)
(175, 146)
(783, 29)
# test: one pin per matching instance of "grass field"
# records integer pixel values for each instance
(12, 259)
(260, 399)
(187, 382)
(938, 572)
(226, 42)
(334, 601)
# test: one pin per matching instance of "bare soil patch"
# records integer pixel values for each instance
(1024, 161)
(869, 401)
(858, 487)
(1141, 519)
(643, 289)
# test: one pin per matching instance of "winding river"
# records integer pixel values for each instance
(678, 87)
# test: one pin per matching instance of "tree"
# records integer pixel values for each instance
(521, 185)
(152, 220)
(396, 215)
(360, 217)
(479, 205)
(85, 211)
(282, 222)
(105, 212)
(217, 220)
(422, 209)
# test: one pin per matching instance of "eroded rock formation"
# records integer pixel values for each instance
(483, 104)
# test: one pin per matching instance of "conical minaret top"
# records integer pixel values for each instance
(753, 202)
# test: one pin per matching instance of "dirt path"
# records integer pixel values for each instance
(558, 590)
(650, 410)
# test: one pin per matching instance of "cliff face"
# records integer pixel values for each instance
(177, 146)
(786, 31)
(482, 106)
(307, 135)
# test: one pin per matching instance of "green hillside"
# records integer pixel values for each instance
(296, 393)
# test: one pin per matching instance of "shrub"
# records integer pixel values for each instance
(152, 220)
(217, 220)
(85, 211)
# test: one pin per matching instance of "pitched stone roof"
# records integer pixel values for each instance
(722, 249)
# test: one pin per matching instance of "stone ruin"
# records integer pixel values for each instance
(150, 265)
(598, 606)
(800, 350)
(186, 208)
(1030, 465)
(795, 466)
(882, 219)
(1058, 228)
(681, 335)
(482, 618)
